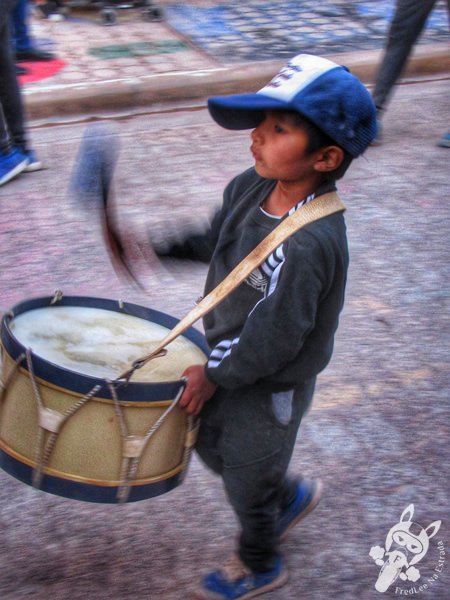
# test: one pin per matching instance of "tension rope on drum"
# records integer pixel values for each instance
(52, 421)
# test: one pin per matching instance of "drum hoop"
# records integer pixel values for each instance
(83, 389)
(86, 480)
(68, 392)
(80, 383)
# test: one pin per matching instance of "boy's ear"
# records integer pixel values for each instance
(329, 159)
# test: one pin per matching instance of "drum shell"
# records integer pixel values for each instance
(88, 453)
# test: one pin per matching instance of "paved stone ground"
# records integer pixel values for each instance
(260, 30)
(94, 52)
(192, 40)
(378, 431)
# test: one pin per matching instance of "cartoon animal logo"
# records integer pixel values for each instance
(406, 544)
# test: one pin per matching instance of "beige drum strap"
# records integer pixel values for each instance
(318, 208)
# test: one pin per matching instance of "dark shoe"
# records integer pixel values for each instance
(11, 165)
(21, 70)
(235, 580)
(444, 142)
(306, 499)
(33, 54)
(49, 10)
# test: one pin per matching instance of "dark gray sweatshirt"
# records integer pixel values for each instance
(277, 328)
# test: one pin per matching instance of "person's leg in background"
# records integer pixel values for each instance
(15, 155)
(23, 44)
(12, 160)
(406, 26)
(19, 28)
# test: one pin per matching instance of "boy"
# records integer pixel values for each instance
(274, 334)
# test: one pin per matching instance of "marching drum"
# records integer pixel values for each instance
(69, 425)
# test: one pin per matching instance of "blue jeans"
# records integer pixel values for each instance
(247, 437)
(12, 128)
(19, 26)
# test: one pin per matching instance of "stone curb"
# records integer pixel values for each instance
(133, 92)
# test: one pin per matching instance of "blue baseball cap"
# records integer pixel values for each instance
(322, 91)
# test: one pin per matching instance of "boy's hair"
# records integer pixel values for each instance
(324, 92)
(318, 139)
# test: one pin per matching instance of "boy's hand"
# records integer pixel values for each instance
(198, 389)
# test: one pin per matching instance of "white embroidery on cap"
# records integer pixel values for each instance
(296, 75)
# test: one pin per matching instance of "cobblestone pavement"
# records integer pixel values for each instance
(205, 43)
(378, 431)
(261, 30)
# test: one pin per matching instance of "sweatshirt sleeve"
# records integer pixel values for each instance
(199, 245)
(194, 245)
(276, 329)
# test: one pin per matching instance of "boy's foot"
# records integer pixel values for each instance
(235, 581)
(444, 142)
(306, 499)
(11, 165)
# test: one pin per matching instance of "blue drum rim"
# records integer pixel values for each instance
(83, 384)
(85, 492)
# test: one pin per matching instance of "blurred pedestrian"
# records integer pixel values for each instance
(24, 46)
(15, 155)
(406, 26)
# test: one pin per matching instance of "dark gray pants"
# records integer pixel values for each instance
(12, 128)
(247, 437)
(406, 26)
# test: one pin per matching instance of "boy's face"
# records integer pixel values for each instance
(279, 149)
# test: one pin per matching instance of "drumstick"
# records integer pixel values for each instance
(91, 184)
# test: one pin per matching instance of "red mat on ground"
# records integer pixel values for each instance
(40, 69)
